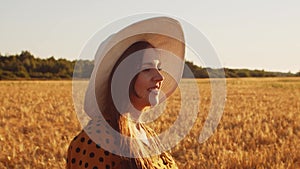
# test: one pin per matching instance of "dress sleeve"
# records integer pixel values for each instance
(68, 165)
(84, 153)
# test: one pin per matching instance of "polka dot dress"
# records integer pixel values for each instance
(84, 153)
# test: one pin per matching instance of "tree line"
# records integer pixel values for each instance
(200, 72)
(26, 66)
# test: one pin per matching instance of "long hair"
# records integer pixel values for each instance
(124, 123)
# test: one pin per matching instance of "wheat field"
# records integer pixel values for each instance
(260, 126)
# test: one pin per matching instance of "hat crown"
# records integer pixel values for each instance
(163, 33)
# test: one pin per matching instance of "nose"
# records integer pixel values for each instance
(157, 77)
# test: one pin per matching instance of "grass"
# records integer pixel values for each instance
(259, 128)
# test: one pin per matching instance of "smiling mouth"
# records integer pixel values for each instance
(154, 89)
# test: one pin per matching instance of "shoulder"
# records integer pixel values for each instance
(84, 152)
(164, 160)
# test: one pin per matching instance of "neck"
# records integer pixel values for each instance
(135, 113)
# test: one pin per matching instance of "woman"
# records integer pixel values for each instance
(129, 60)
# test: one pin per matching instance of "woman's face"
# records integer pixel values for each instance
(148, 82)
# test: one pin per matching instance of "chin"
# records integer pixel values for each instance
(154, 101)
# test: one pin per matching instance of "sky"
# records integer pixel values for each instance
(256, 34)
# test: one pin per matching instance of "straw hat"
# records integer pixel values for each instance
(163, 33)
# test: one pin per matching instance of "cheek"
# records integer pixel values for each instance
(140, 84)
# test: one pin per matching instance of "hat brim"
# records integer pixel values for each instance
(161, 32)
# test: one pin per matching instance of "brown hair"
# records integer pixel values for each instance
(110, 110)
(123, 122)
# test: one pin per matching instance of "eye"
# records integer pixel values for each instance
(159, 68)
(146, 70)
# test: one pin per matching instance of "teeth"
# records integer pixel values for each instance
(154, 90)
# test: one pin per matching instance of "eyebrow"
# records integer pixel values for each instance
(152, 64)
